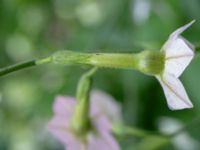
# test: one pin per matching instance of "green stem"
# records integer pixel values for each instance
(84, 84)
(27, 64)
(16, 67)
(121, 129)
(150, 141)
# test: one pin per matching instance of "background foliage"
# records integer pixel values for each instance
(34, 28)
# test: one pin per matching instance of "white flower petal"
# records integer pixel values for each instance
(175, 92)
(180, 30)
(178, 52)
(179, 57)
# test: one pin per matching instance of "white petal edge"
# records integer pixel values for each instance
(180, 30)
(175, 93)
(176, 34)
(178, 52)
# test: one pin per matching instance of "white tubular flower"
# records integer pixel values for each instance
(166, 65)
(178, 54)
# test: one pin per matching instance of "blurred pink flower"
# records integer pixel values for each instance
(102, 117)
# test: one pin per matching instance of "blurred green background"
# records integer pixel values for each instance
(33, 28)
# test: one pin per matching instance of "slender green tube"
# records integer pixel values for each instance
(113, 60)
(148, 61)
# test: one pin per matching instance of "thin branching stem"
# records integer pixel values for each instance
(19, 66)
(16, 67)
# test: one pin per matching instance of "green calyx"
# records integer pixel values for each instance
(81, 123)
(67, 57)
